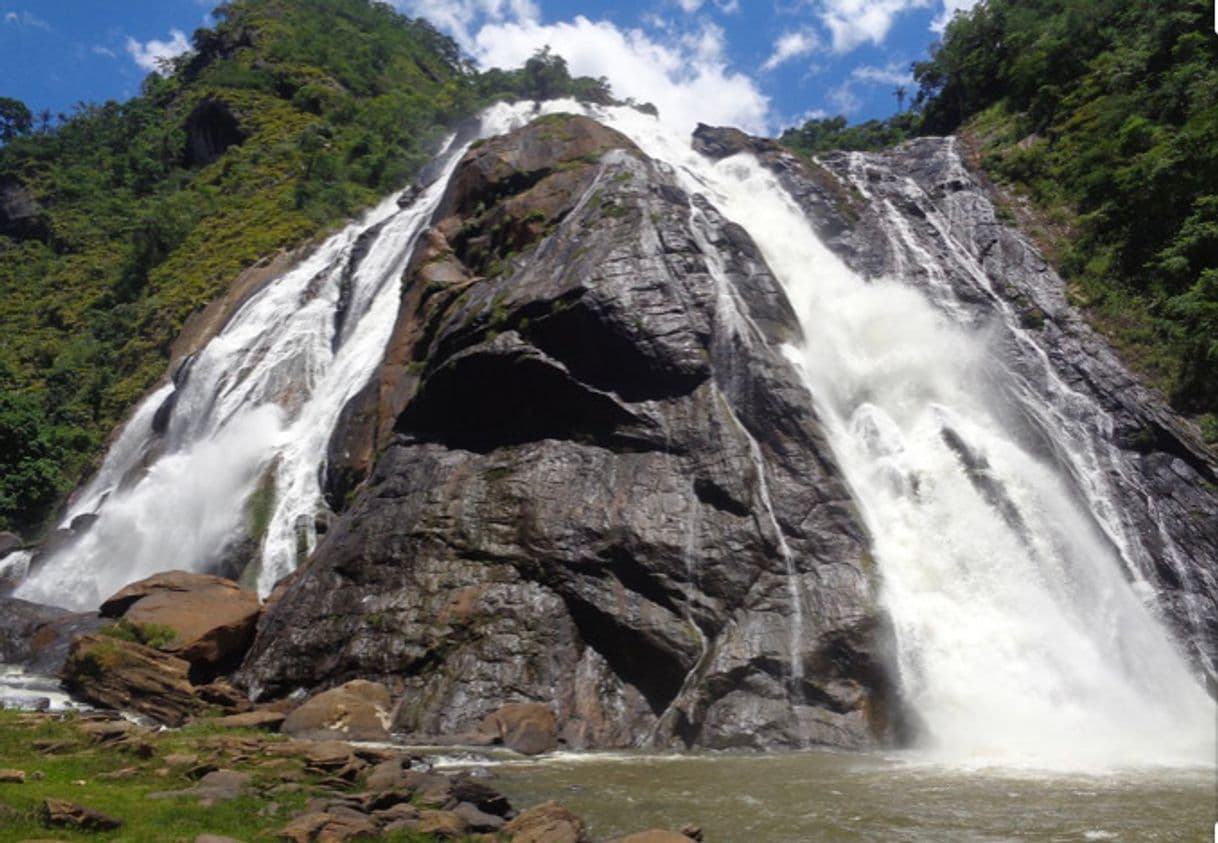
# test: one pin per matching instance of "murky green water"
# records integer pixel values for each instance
(821, 796)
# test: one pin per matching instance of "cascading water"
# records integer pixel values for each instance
(253, 412)
(1019, 638)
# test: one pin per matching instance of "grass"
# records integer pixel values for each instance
(81, 771)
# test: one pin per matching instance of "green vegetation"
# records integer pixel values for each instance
(63, 760)
(286, 118)
(1104, 114)
(149, 634)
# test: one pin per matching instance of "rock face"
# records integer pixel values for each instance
(600, 486)
(920, 212)
(20, 214)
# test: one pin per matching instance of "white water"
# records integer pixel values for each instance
(1020, 641)
(260, 399)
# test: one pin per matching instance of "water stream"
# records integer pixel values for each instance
(1021, 643)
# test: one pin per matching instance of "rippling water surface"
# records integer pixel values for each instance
(821, 796)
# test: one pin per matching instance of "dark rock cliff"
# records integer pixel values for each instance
(917, 212)
(585, 476)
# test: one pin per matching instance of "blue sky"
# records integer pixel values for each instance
(759, 64)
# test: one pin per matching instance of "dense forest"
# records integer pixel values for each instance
(120, 220)
(1104, 115)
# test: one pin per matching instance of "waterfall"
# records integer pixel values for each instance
(251, 415)
(1020, 639)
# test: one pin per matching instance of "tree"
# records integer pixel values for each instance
(15, 119)
(900, 93)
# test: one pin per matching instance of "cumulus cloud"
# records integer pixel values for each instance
(25, 19)
(150, 54)
(458, 17)
(791, 45)
(854, 22)
(894, 73)
(686, 76)
(950, 9)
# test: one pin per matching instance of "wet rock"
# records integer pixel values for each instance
(548, 822)
(9, 542)
(126, 676)
(358, 710)
(476, 819)
(527, 728)
(214, 618)
(560, 496)
(481, 796)
(37, 637)
(64, 814)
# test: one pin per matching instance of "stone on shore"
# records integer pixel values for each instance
(527, 728)
(358, 711)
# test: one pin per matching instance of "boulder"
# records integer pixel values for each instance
(123, 675)
(37, 637)
(63, 814)
(445, 825)
(12, 776)
(548, 822)
(527, 728)
(476, 819)
(655, 835)
(325, 827)
(358, 710)
(21, 215)
(214, 618)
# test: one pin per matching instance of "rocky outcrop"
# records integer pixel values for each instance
(21, 215)
(211, 128)
(587, 478)
(919, 212)
(213, 618)
(123, 675)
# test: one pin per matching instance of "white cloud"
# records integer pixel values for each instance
(950, 8)
(894, 73)
(99, 50)
(791, 45)
(728, 7)
(150, 54)
(26, 19)
(457, 17)
(686, 77)
(853, 22)
(844, 99)
(690, 6)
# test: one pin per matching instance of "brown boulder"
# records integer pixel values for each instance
(655, 835)
(527, 728)
(328, 828)
(57, 812)
(548, 822)
(358, 711)
(214, 618)
(441, 824)
(118, 674)
(12, 776)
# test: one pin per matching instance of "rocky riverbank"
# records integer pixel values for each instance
(322, 768)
